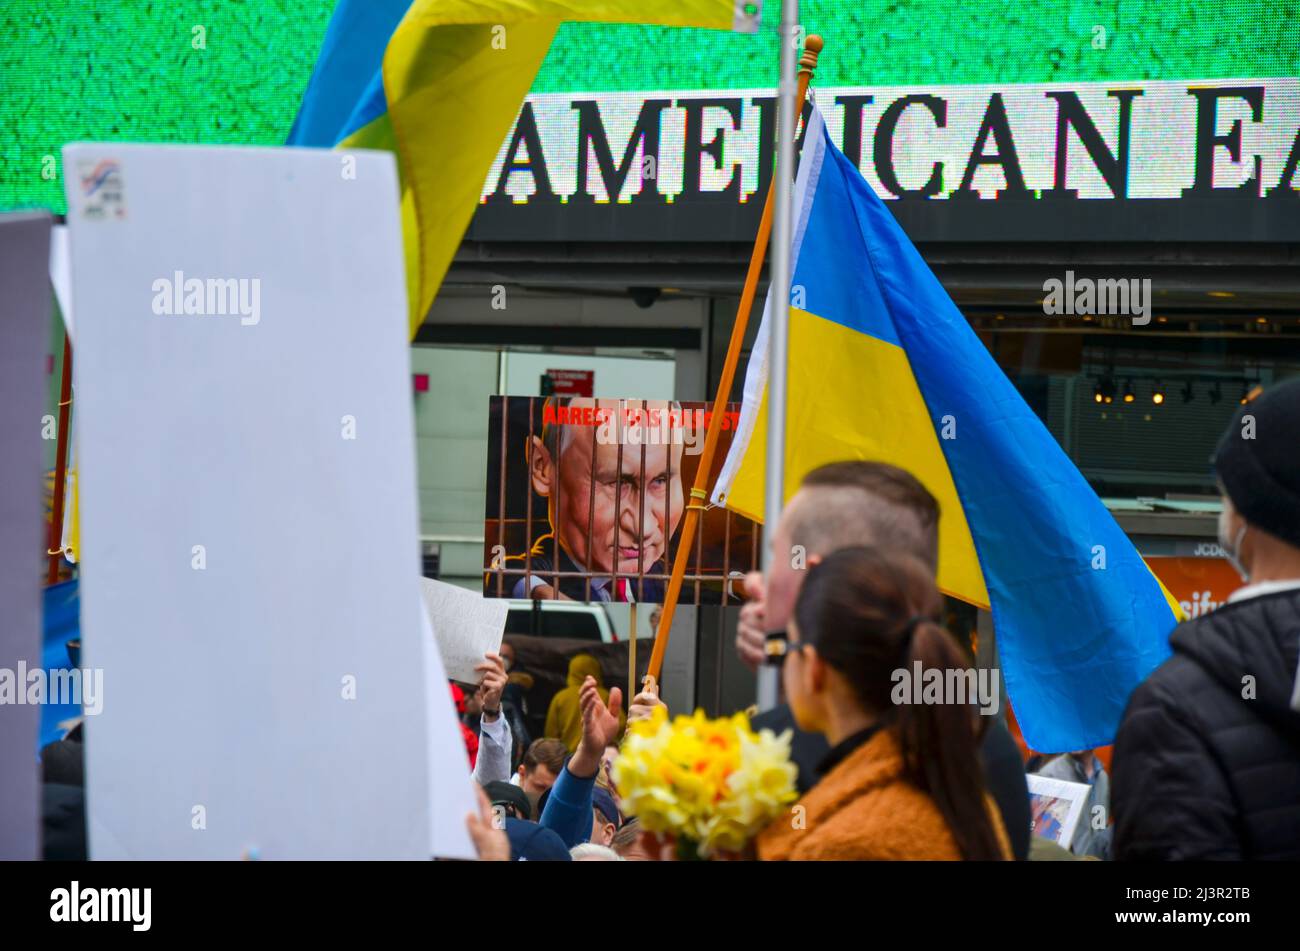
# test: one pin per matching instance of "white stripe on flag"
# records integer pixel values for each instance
(805, 187)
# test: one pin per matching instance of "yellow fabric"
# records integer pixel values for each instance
(1174, 604)
(71, 518)
(564, 716)
(881, 416)
(70, 539)
(455, 74)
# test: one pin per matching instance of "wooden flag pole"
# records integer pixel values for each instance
(55, 549)
(699, 495)
(631, 658)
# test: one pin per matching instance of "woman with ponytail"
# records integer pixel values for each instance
(902, 780)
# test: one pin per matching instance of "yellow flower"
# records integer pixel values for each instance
(714, 782)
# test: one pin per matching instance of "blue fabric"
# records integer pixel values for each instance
(833, 287)
(372, 105)
(568, 809)
(62, 624)
(347, 73)
(1080, 619)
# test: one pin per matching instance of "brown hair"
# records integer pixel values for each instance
(897, 511)
(549, 753)
(869, 613)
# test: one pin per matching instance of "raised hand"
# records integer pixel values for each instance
(751, 630)
(643, 703)
(600, 723)
(600, 727)
(494, 679)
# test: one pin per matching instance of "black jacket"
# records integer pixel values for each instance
(1199, 771)
(1004, 770)
(63, 821)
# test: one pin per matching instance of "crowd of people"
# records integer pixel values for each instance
(1206, 764)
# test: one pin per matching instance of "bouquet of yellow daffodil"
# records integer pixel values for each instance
(710, 784)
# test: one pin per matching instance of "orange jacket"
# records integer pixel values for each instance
(864, 810)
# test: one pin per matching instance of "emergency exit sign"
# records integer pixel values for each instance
(568, 383)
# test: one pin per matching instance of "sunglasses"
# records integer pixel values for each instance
(778, 647)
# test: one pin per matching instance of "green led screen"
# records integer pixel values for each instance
(908, 89)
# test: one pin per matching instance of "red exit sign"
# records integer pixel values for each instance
(572, 382)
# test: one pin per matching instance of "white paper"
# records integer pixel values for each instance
(466, 626)
(1061, 804)
(248, 507)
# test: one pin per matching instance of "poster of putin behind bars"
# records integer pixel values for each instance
(586, 498)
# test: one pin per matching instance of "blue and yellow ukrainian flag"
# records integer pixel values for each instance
(883, 366)
(439, 82)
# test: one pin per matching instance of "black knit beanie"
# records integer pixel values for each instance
(1258, 461)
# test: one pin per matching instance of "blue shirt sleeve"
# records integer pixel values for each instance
(568, 810)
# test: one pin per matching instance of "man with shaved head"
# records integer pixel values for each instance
(837, 505)
(860, 503)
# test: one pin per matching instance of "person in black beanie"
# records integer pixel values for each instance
(1207, 760)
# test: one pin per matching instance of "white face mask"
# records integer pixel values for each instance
(1232, 549)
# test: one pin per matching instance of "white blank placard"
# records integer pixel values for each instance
(248, 505)
(24, 335)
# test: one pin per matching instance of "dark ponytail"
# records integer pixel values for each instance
(940, 747)
(869, 613)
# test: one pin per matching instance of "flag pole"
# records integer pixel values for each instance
(769, 683)
(55, 549)
(631, 656)
(699, 494)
